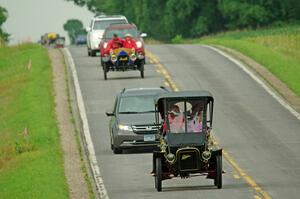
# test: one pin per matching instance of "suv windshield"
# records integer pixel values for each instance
(121, 32)
(136, 104)
(101, 25)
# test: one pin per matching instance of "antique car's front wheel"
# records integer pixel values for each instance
(105, 71)
(218, 178)
(105, 75)
(158, 174)
(111, 144)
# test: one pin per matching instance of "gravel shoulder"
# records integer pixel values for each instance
(78, 188)
(272, 80)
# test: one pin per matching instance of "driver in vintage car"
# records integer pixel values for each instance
(114, 43)
(176, 120)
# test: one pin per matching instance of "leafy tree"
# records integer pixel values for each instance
(166, 19)
(241, 14)
(74, 27)
(3, 16)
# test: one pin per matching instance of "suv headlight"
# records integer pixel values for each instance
(125, 127)
(139, 44)
(105, 45)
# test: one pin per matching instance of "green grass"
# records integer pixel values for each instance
(278, 49)
(30, 166)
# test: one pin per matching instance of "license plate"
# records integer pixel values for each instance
(123, 59)
(149, 138)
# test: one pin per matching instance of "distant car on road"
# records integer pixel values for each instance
(132, 123)
(60, 42)
(80, 40)
(53, 40)
(96, 29)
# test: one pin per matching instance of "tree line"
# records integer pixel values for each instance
(3, 16)
(164, 19)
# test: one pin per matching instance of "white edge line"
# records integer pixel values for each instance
(260, 82)
(91, 151)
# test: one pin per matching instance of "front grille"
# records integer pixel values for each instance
(145, 129)
(123, 58)
(188, 160)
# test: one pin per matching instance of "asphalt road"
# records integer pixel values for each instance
(259, 134)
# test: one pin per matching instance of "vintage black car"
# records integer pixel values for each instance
(186, 146)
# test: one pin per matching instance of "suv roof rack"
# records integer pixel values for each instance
(102, 15)
(112, 24)
(118, 23)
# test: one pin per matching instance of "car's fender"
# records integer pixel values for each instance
(215, 152)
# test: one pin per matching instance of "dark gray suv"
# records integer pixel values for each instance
(132, 123)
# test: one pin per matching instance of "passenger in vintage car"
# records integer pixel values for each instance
(114, 43)
(175, 119)
(195, 121)
(129, 42)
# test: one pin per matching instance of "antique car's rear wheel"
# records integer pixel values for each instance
(218, 178)
(158, 174)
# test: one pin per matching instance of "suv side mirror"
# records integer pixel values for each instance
(88, 29)
(144, 35)
(109, 113)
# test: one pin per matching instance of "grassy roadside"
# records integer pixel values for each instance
(31, 162)
(278, 49)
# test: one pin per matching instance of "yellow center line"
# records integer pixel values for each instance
(168, 81)
(236, 176)
(257, 197)
(162, 70)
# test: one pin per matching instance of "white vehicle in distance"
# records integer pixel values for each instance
(96, 29)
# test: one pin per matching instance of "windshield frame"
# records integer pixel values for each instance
(121, 32)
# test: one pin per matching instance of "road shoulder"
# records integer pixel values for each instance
(78, 188)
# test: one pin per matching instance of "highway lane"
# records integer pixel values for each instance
(259, 133)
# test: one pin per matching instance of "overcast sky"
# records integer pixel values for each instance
(29, 19)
